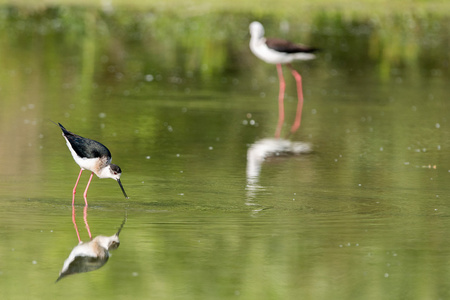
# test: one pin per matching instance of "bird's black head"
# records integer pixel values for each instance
(115, 169)
(115, 174)
(114, 244)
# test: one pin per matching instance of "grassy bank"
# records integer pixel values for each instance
(286, 8)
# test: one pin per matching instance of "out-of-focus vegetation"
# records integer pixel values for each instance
(216, 42)
(290, 8)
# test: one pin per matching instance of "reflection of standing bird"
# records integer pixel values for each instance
(265, 148)
(93, 156)
(278, 51)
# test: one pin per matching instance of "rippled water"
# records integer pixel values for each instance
(363, 215)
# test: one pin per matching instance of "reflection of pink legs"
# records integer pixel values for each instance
(298, 115)
(87, 187)
(86, 222)
(85, 207)
(75, 224)
(75, 187)
(280, 101)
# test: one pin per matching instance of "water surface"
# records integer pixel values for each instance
(179, 101)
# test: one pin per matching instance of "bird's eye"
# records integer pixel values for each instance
(115, 173)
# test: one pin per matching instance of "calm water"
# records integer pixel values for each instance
(179, 102)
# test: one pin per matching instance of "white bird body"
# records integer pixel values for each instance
(276, 51)
(91, 164)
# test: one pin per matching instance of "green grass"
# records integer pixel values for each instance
(287, 8)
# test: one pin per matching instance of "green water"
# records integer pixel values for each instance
(179, 101)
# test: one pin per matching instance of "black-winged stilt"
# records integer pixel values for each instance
(93, 156)
(278, 51)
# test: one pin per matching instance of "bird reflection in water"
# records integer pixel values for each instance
(92, 255)
(259, 152)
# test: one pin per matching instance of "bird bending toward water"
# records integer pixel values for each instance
(92, 156)
(278, 51)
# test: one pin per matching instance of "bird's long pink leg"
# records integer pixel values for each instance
(280, 101)
(298, 115)
(86, 222)
(75, 188)
(75, 224)
(87, 187)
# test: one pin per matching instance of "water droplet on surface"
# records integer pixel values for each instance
(149, 78)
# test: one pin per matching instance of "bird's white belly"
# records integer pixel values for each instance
(271, 56)
(90, 164)
(87, 163)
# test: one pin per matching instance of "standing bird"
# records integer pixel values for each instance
(278, 51)
(93, 156)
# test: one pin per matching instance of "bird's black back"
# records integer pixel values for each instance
(288, 47)
(85, 147)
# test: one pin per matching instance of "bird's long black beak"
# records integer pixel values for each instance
(120, 183)
(123, 223)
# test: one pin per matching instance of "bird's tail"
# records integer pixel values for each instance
(304, 56)
(65, 131)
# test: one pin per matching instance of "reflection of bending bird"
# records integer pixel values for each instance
(90, 256)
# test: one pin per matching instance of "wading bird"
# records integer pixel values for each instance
(93, 156)
(278, 51)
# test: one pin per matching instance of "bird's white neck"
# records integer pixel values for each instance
(104, 172)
